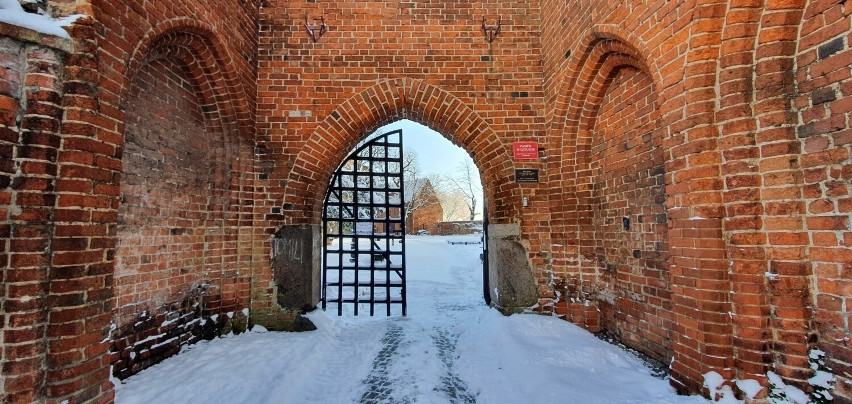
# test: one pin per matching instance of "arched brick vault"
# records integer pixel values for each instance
(603, 45)
(600, 40)
(686, 130)
(208, 60)
(729, 130)
(575, 185)
(389, 101)
(217, 171)
(96, 77)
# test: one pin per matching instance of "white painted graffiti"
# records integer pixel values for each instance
(290, 249)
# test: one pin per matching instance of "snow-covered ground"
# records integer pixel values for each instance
(449, 349)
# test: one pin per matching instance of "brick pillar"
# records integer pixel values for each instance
(824, 105)
(702, 330)
(80, 294)
(30, 114)
(744, 225)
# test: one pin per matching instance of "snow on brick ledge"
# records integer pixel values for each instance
(12, 13)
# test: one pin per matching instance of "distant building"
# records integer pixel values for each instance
(422, 207)
(459, 227)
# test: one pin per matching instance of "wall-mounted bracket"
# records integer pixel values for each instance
(490, 31)
(315, 31)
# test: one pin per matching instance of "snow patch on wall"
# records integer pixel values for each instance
(751, 388)
(822, 380)
(782, 393)
(108, 337)
(719, 391)
(11, 12)
(779, 392)
(608, 296)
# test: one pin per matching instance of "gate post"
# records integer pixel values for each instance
(296, 253)
(510, 275)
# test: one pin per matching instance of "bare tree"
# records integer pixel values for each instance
(467, 182)
(410, 165)
(454, 203)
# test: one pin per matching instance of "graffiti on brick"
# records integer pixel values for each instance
(289, 249)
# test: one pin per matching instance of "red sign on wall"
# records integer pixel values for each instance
(525, 150)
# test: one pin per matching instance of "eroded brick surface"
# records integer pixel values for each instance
(824, 238)
(144, 169)
(629, 227)
(176, 257)
(30, 112)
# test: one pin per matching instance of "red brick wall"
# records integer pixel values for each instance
(427, 214)
(79, 206)
(184, 74)
(742, 190)
(383, 61)
(824, 103)
(750, 124)
(360, 64)
(584, 43)
(172, 189)
(177, 220)
(30, 94)
(626, 168)
(425, 218)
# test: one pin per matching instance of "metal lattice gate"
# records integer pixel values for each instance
(364, 228)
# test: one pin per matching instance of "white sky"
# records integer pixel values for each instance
(437, 155)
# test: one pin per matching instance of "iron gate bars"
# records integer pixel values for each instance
(364, 229)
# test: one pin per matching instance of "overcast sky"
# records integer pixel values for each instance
(436, 154)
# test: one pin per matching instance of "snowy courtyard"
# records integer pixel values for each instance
(450, 348)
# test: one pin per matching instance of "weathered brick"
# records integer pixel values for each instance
(830, 48)
(823, 95)
(723, 127)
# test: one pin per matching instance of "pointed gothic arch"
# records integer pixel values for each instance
(389, 101)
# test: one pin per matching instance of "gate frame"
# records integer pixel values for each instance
(394, 228)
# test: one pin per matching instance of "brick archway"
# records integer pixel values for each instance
(387, 102)
(605, 52)
(208, 61)
(604, 49)
(611, 163)
(186, 170)
(600, 42)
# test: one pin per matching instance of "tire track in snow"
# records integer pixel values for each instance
(380, 386)
(451, 384)
(394, 377)
(455, 304)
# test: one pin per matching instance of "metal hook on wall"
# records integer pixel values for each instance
(490, 31)
(315, 31)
